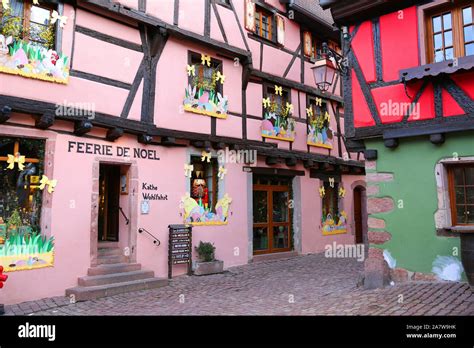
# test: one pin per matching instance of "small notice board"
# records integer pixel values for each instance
(180, 247)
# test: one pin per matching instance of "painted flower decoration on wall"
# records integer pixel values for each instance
(322, 191)
(342, 192)
(205, 156)
(222, 173)
(220, 77)
(11, 160)
(278, 90)
(266, 102)
(55, 17)
(188, 169)
(51, 183)
(206, 60)
(191, 70)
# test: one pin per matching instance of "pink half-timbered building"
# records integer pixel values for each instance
(120, 118)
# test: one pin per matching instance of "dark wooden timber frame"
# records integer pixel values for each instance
(405, 128)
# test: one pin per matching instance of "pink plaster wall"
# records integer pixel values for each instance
(107, 26)
(313, 241)
(172, 68)
(90, 53)
(162, 9)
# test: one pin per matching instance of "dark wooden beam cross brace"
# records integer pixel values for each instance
(82, 127)
(44, 121)
(114, 133)
(153, 42)
(5, 114)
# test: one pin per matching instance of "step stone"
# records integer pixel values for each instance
(114, 268)
(92, 292)
(109, 252)
(115, 278)
(104, 260)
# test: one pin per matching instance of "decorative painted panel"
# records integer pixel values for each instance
(27, 40)
(22, 246)
(278, 122)
(320, 133)
(204, 204)
(333, 220)
(204, 92)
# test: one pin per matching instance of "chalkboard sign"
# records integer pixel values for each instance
(180, 247)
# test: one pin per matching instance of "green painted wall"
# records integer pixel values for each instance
(414, 242)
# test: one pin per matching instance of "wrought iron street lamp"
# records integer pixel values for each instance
(324, 70)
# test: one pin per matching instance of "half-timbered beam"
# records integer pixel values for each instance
(114, 133)
(44, 121)
(5, 114)
(82, 127)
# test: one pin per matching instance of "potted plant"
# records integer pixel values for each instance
(207, 263)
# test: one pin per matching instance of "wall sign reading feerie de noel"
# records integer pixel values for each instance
(109, 150)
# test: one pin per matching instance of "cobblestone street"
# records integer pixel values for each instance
(304, 285)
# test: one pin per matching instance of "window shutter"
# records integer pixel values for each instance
(307, 43)
(250, 15)
(280, 23)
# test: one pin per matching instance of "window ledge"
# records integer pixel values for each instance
(434, 69)
(461, 229)
(199, 111)
(264, 40)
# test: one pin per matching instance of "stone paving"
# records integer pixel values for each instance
(303, 285)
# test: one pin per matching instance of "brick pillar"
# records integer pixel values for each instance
(376, 270)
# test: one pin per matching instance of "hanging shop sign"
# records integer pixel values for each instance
(179, 247)
(109, 150)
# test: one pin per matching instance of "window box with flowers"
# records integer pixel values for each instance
(28, 31)
(204, 94)
(333, 219)
(277, 113)
(22, 186)
(320, 134)
(205, 203)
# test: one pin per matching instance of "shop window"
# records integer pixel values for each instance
(21, 178)
(205, 203)
(320, 133)
(278, 110)
(461, 193)
(450, 32)
(204, 188)
(333, 217)
(28, 41)
(28, 22)
(204, 94)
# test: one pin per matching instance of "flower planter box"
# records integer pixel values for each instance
(205, 268)
(27, 262)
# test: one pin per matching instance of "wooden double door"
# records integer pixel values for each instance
(271, 216)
